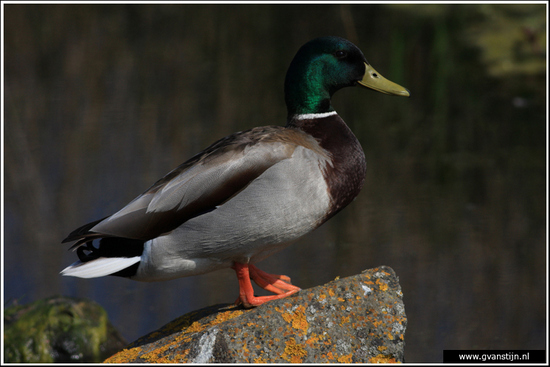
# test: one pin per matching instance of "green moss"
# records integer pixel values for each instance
(59, 329)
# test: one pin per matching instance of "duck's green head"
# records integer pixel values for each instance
(323, 66)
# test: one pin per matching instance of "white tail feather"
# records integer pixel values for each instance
(99, 267)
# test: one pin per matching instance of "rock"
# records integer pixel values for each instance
(59, 329)
(356, 319)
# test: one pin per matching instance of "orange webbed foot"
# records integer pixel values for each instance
(270, 282)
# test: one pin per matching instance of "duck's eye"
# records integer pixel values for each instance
(340, 54)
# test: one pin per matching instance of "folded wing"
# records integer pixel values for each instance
(197, 186)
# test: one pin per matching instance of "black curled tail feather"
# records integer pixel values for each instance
(112, 247)
(87, 252)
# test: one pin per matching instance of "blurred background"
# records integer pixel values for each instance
(102, 100)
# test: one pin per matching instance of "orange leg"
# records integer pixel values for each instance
(246, 292)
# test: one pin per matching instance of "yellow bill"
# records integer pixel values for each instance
(373, 80)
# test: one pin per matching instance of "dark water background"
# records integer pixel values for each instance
(102, 100)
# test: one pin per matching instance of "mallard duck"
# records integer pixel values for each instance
(248, 195)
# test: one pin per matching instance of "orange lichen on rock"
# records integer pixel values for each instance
(124, 355)
(383, 285)
(345, 359)
(227, 315)
(312, 340)
(260, 360)
(328, 356)
(194, 328)
(345, 319)
(157, 355)
(383, 359)
(294, 352)
(296, 318)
